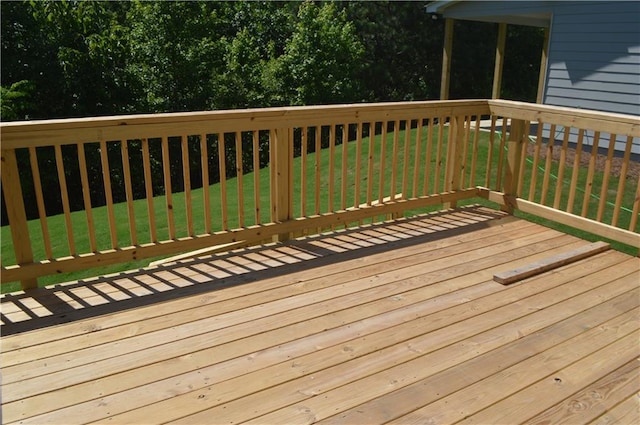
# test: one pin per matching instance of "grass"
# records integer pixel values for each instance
(383, 182)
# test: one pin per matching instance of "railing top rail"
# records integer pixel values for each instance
(573, 117)
(50, 132)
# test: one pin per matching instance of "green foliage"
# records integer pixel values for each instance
(321, 58)
(175, 48)
(15, 100)
(73, 58)
(402, 50)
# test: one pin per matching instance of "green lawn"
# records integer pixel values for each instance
(382, 177)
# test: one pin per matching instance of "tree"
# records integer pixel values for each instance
(320, 60)
(403, 49)
(15, 100)
(176, 49)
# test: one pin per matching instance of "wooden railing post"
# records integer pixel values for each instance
(16, 213)
(455, 149)
(281, 170)
(515, 144)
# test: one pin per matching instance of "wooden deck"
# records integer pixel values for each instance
(393, 323)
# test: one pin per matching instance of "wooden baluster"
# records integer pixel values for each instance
(356, 191)
(427, 159)
(344, 178)
(239, 179)
(465, 149)
(394, 160)
(474, 153)
(604, 190)
(436, 178)
(126, 170)
(148, 186)
(405, 169)
(186, 178)
(492, 136)
(370, 162)
(318, 157)
(416, 159)
(256, 176)
(523, 157)
(303, 172)
(576, 171)
(222, 166)
(636, 209)
(290, 175)
(503, 139)
(42, 212)
(86, 196)
(561, 166)
(381, 170)
(536, 159)
(548, 163)
(106, 178)
(590, 174)
(332, 154)
(65, 200)
(16, 213)
(206, 194)
(167, 187)
(622, 181)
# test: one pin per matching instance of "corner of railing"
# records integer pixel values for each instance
(515, 145)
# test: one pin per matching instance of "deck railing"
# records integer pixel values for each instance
(579, 168)
(281, 172)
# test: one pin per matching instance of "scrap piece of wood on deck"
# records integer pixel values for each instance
(514, 275)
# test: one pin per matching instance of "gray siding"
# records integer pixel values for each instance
(594, 52)
(594, 56)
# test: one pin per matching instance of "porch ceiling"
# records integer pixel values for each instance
(492, 11)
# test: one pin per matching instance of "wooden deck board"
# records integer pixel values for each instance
(399, 322)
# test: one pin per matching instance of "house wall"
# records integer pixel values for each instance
(594, 51)
(594, 60)
(594, 47)
(594, 56)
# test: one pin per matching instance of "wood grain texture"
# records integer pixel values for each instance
(399, 321)
(515, 275)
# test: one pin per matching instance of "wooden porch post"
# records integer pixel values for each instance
(543, 66)
(280, 179)
(16, 213)
(455, 151)
(446, 59)
(514, 155)
(497, 71)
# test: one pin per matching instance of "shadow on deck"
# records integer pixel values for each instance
(86, 298)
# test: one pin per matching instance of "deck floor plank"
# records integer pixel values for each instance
(561, 383)
(626, 412)
(443, 334)
(243, 310)
(594, 400)
(159, 369)
(266, 285)
(614, 312)
(381, 383)
(353, 326)
(383, 321)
